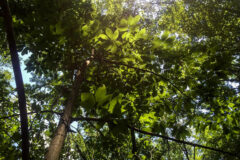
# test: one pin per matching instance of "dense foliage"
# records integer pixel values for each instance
(149, 71)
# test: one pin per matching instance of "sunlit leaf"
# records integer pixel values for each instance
(115, 35)
(109, 32)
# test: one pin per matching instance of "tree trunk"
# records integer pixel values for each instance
(61, 132)
(18, 78)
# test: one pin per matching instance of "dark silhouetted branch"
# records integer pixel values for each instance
(158, 135)
(134, 147)
(18, 78)
(91, 119)
(185, 151)
(183, 142)
(16, 115)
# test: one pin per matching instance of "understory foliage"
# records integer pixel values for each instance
(169, 68)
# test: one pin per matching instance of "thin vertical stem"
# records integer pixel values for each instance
(194, 152)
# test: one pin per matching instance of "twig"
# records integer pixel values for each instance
(45, 111)
(185, 151)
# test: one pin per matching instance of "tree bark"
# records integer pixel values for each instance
(18, 78)
(57, 142)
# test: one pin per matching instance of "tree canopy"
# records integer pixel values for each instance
(121, 79)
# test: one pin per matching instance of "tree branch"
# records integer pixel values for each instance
(137, 130)
(185, 151)
(134, 147)
(184, 142)
(45, 111)
(18, 79)
(158, 135)
(90, 119)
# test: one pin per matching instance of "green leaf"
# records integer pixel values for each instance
(123, 109)
(115, 35)
(87, 100)
(123, 25)
(100, 125)
(157, 43)
(85, 27)
(103, 36)
(109, 33)
(62, 40)
(133, 20)
(101, 95)
(100, 91)
(59, 29)
(165, 35)
(148, 129)
(113, 49)
(130, 155)
(141, 34)
(147, 118)
(115, 122)
(113, 103)
(126, 35)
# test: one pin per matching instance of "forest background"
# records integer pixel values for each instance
(126, 79)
